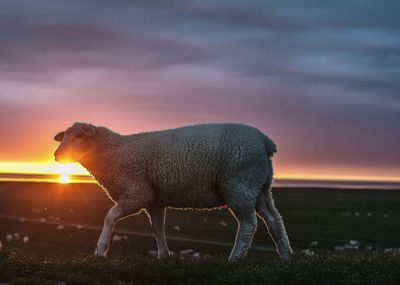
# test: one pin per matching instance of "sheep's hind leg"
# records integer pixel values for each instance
(247, 226)
(112, 217)
(157, 221)
(274, 223)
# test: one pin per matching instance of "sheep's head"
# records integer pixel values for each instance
(76, 142)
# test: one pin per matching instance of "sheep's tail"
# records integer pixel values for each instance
(270, 175)
(270, 147)
(270, 150)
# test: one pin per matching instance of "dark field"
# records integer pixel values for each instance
(354, 268)
(63, 223)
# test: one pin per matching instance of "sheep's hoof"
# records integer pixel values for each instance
(287, 256)
(166, 256)
(98, 257)
(235, 258)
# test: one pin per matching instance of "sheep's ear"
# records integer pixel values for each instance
(59, 137)
(88, 130)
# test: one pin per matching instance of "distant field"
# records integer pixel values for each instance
(329, 216)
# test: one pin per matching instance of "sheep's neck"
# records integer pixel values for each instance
(99, 165)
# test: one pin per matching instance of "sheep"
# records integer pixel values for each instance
(207, 166)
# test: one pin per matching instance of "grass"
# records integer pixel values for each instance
(17, 267)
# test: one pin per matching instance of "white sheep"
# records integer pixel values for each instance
(205, 166)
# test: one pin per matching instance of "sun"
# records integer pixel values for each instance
(64, 172)
(64, 179)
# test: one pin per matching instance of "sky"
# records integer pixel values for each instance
(321, 78)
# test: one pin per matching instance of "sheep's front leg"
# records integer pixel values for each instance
(112, 217)
(157, 221)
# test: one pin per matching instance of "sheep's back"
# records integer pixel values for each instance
(189, 163)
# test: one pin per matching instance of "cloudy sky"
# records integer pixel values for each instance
(321, 78)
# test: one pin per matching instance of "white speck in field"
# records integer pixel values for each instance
(117, 238)
(188, 254)
(186, 251)
(71, 210)
(223, 223)
(368, 248)
(153, 253)
(348, 247)
(339, 248)
(25, 239)
(204, 220)
(353, 245)
(16, 236)
(37, 211)
(345, 214)
(385, 216)
(42, 220)
(79, 227)
(1, 245)
(394, 250)
(9, 238)
(313, 244)
(57, 219)
(22, 219)
(369, 214)
(60, 227)
(307, 252)
(177, 228)
(357, 214)
(353, 242)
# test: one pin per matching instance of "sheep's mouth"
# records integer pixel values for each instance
(62, 160)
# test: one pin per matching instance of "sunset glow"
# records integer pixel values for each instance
(44, 171)
(42, 168)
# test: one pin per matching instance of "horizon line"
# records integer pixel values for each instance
(87, 178)
(76, 170)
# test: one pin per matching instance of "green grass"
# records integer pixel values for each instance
(323, 268)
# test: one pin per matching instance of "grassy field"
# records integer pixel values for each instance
(355, 268)
(63, 222)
